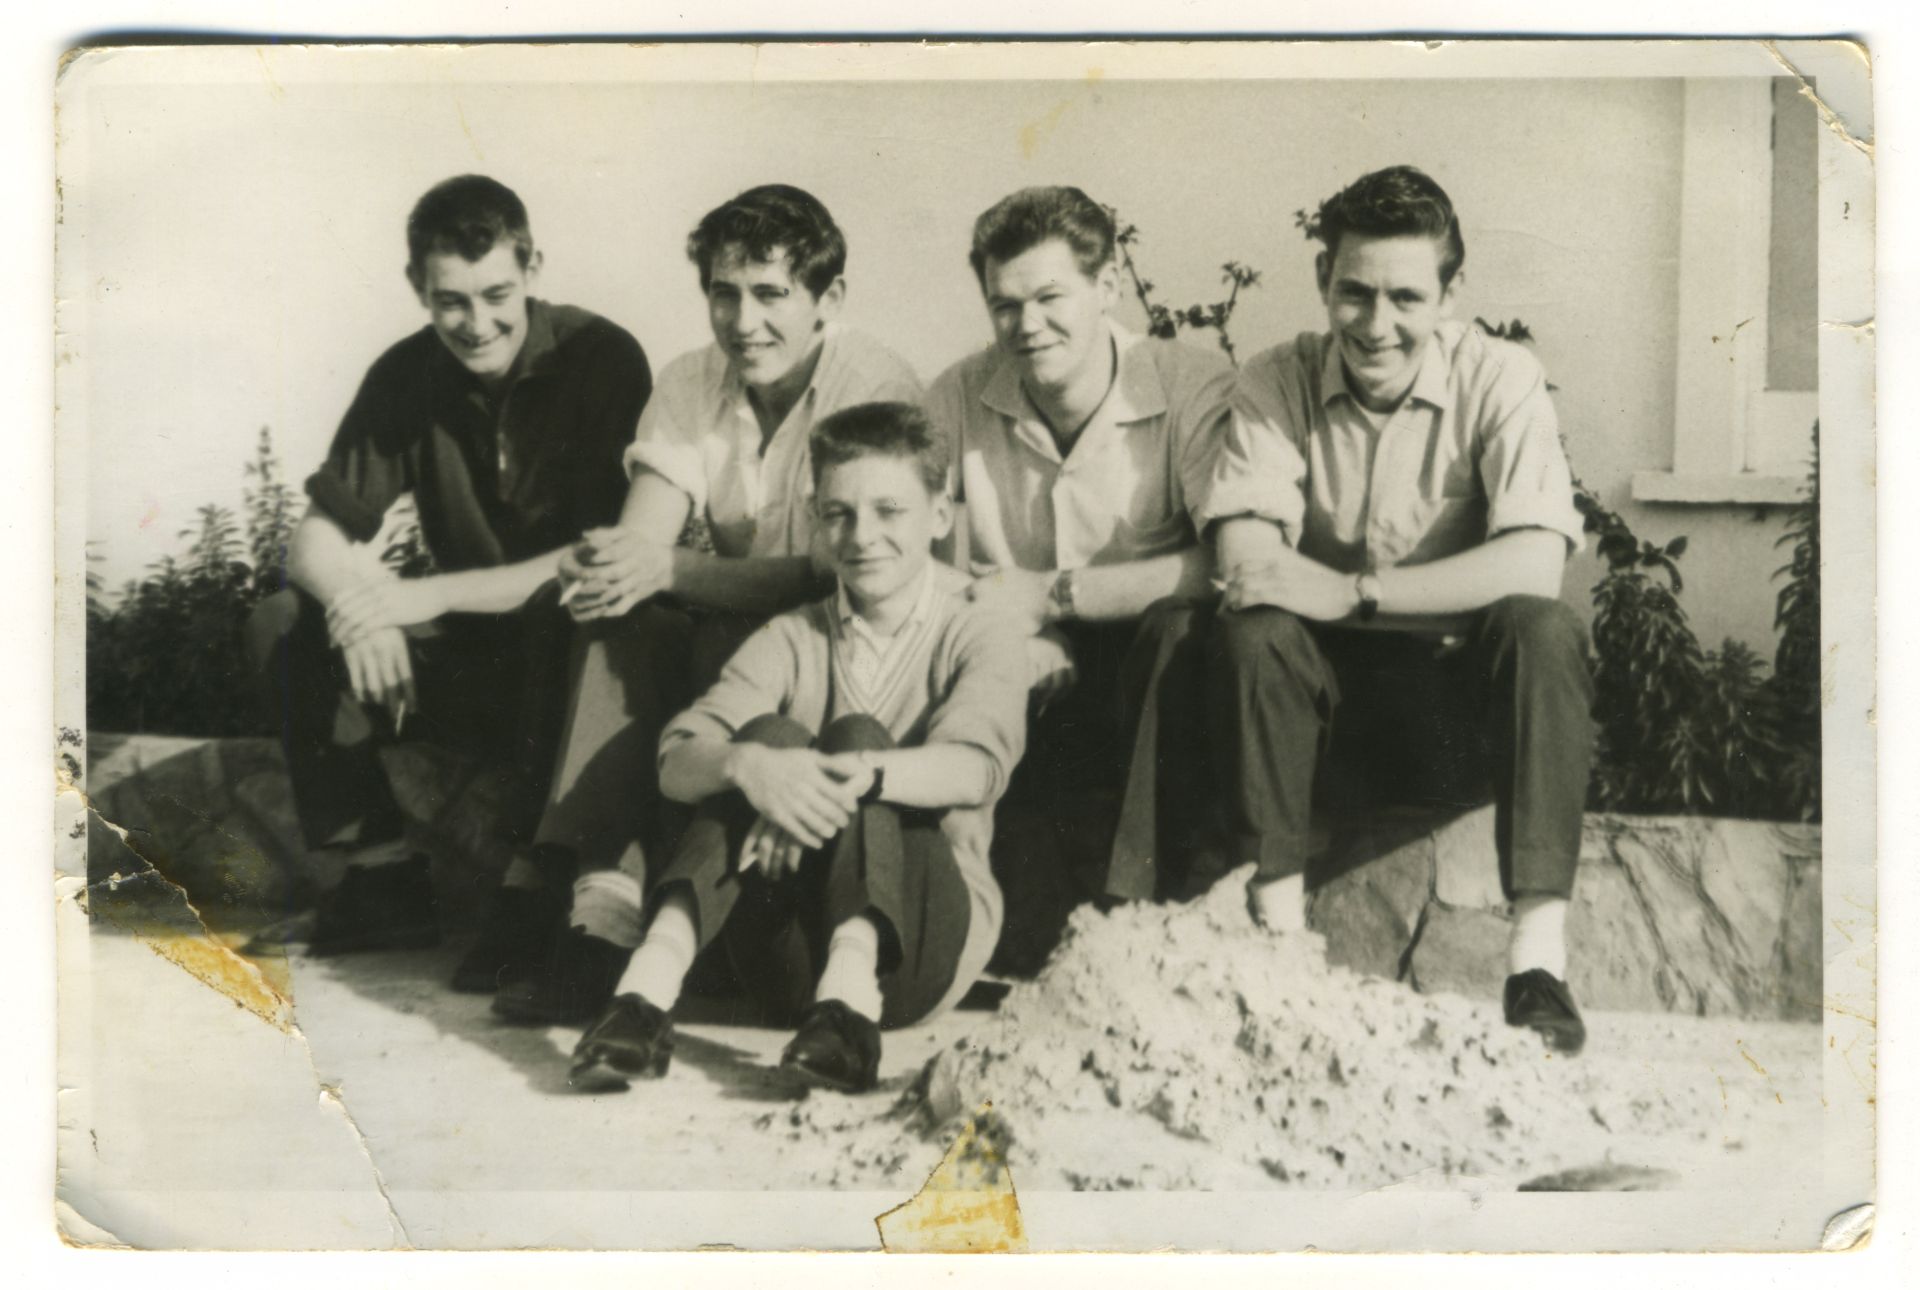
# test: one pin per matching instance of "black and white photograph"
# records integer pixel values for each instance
(1242, 646)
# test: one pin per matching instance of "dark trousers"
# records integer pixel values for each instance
(486, 683)
(1122, 756)
(1393, 717)
(627, 679)
(890, 863)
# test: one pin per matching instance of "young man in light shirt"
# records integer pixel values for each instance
(845, 766)
(506, 418)
(714, 538)
(1393, 512)
(1081, 450)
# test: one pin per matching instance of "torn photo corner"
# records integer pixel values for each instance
(325, 984)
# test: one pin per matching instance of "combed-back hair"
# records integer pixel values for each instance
(769, 220)
(467, 215)
(1021, 221)
(1400, 201)
(882, 430)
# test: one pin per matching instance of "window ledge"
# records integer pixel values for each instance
(1707, 490)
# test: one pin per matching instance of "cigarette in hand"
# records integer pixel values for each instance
(571, 592)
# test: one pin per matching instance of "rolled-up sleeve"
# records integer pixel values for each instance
(985, 706)
(668, 441)
(368, 466)
(1259, 469)
(758, 679)
(1201, 420)
(1523, 467)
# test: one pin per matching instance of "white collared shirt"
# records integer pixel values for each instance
(1122, 492)
(699, 433)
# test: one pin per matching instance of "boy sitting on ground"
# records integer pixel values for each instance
(845, 765)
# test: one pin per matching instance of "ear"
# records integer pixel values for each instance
(831, 300)
(1323, 273)
(416, 280)
(1107, 281)
(1446, 296)
(534, 262)
(942, 515)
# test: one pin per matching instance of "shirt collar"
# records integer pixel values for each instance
(922, 603)
(1429, 383)
(1137, 393)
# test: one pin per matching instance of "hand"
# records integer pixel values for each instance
(793, 788)
(855, 771)
(382, 602)
(1050, 668)
(1022, 594)
(1298, 586)
(771, 849)
(609, 571)
(380, 670)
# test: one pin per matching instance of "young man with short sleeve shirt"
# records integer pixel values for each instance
(1081, 451)
(1393, 512)
(505, 419)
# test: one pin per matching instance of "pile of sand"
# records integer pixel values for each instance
(1184, 1048)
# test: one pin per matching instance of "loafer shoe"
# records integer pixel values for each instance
(631, 1040)
(835, 1048)
(378, 907)
(1540, 1001)
(572, 987)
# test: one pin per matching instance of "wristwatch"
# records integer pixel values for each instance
(1061, 594)
(1367, 587)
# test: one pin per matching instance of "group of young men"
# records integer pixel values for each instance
(771, 639)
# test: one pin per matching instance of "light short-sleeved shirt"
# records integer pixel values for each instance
(1126, 488)
(699, 434)
(1472, 452)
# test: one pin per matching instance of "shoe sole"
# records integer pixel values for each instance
(601, 1076)
(820, 1080)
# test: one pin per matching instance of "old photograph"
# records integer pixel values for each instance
(1115, 646)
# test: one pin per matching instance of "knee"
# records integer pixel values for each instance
(1262, 637)
(775, 730)
(855, 732)
(1537, 624)
(277, 618)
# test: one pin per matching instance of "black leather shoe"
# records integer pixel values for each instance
(378, 907)
(835, 1048)
(515, 939)
(573, 987)
(631, 1040)
(1540, 1001)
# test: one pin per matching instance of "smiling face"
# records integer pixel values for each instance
(1384, 299)
(765, 321)
(878, 521)
(1048, 315)
(479, 307)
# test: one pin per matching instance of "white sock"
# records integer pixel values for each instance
(852, 974)
(1280, 905)
(607, 904)
(380, 853)
(523, 874)
(665, 956)
(1539, 935)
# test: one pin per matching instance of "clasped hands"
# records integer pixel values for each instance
(1295, 584)
(611, 570)
(804, 798)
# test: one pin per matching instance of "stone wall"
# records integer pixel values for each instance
(1692, 915)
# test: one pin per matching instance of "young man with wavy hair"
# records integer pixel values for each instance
(1393, 513)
